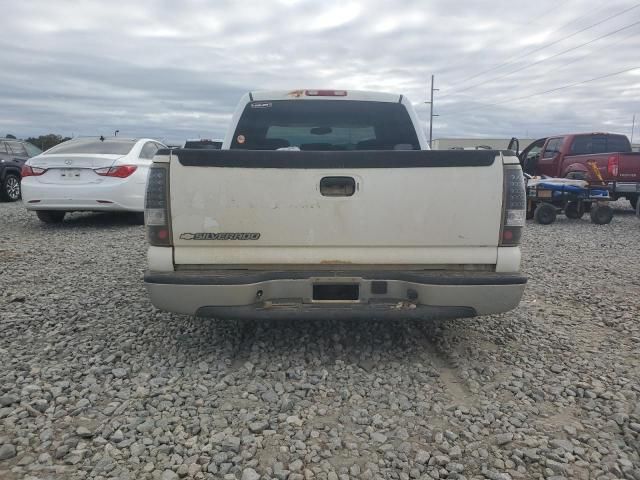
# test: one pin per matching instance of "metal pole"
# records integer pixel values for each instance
(633, 126)
(431, 114)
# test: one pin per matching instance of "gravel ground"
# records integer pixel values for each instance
(94, 383)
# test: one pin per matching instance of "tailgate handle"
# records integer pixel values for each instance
(337, 186)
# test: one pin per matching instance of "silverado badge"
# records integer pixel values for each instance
(219, 236)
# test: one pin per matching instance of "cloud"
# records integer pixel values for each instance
(151, 68)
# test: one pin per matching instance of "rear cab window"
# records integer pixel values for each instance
(599, 143)
(325, 125)
(618, 143)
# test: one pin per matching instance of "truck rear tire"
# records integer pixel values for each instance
(574, 210)
(530, 209)
(50, 216)
(545, 214)
(601, 214)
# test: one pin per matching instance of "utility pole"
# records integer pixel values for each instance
(431, 115)
(633, 126)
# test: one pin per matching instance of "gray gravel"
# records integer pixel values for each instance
(94, 383)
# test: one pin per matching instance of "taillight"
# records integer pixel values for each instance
(119, 171)
(156, 206)
(514, 204)
(325, 93)
(612, 165)
(28, 171)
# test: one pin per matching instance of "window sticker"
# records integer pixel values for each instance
(261, 105)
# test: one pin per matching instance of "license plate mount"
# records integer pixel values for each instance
(336, 292)
(70, 174)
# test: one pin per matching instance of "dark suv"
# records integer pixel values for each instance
(13, 154)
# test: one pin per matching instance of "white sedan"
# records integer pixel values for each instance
(88, 174)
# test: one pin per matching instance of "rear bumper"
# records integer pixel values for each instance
(625, 187)
(381, 294)
(121, 194)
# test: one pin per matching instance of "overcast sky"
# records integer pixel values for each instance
(175, 70)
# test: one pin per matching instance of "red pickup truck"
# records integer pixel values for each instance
(569, 156)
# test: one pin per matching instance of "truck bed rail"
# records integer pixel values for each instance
(335, 159)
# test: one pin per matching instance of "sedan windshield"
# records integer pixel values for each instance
(94, 146)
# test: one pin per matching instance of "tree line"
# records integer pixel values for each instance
(44, 142)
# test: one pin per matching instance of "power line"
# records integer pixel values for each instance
(513, 59)
(545, 59)
(545, 13)
(534, 18)
(570, 62)
(563, 87)
(608, 45)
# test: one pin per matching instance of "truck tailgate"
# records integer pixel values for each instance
(239, 207)
(629, 167)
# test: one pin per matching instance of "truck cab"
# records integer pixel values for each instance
(570, 155)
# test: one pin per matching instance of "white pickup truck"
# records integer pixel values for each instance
(328, 203)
